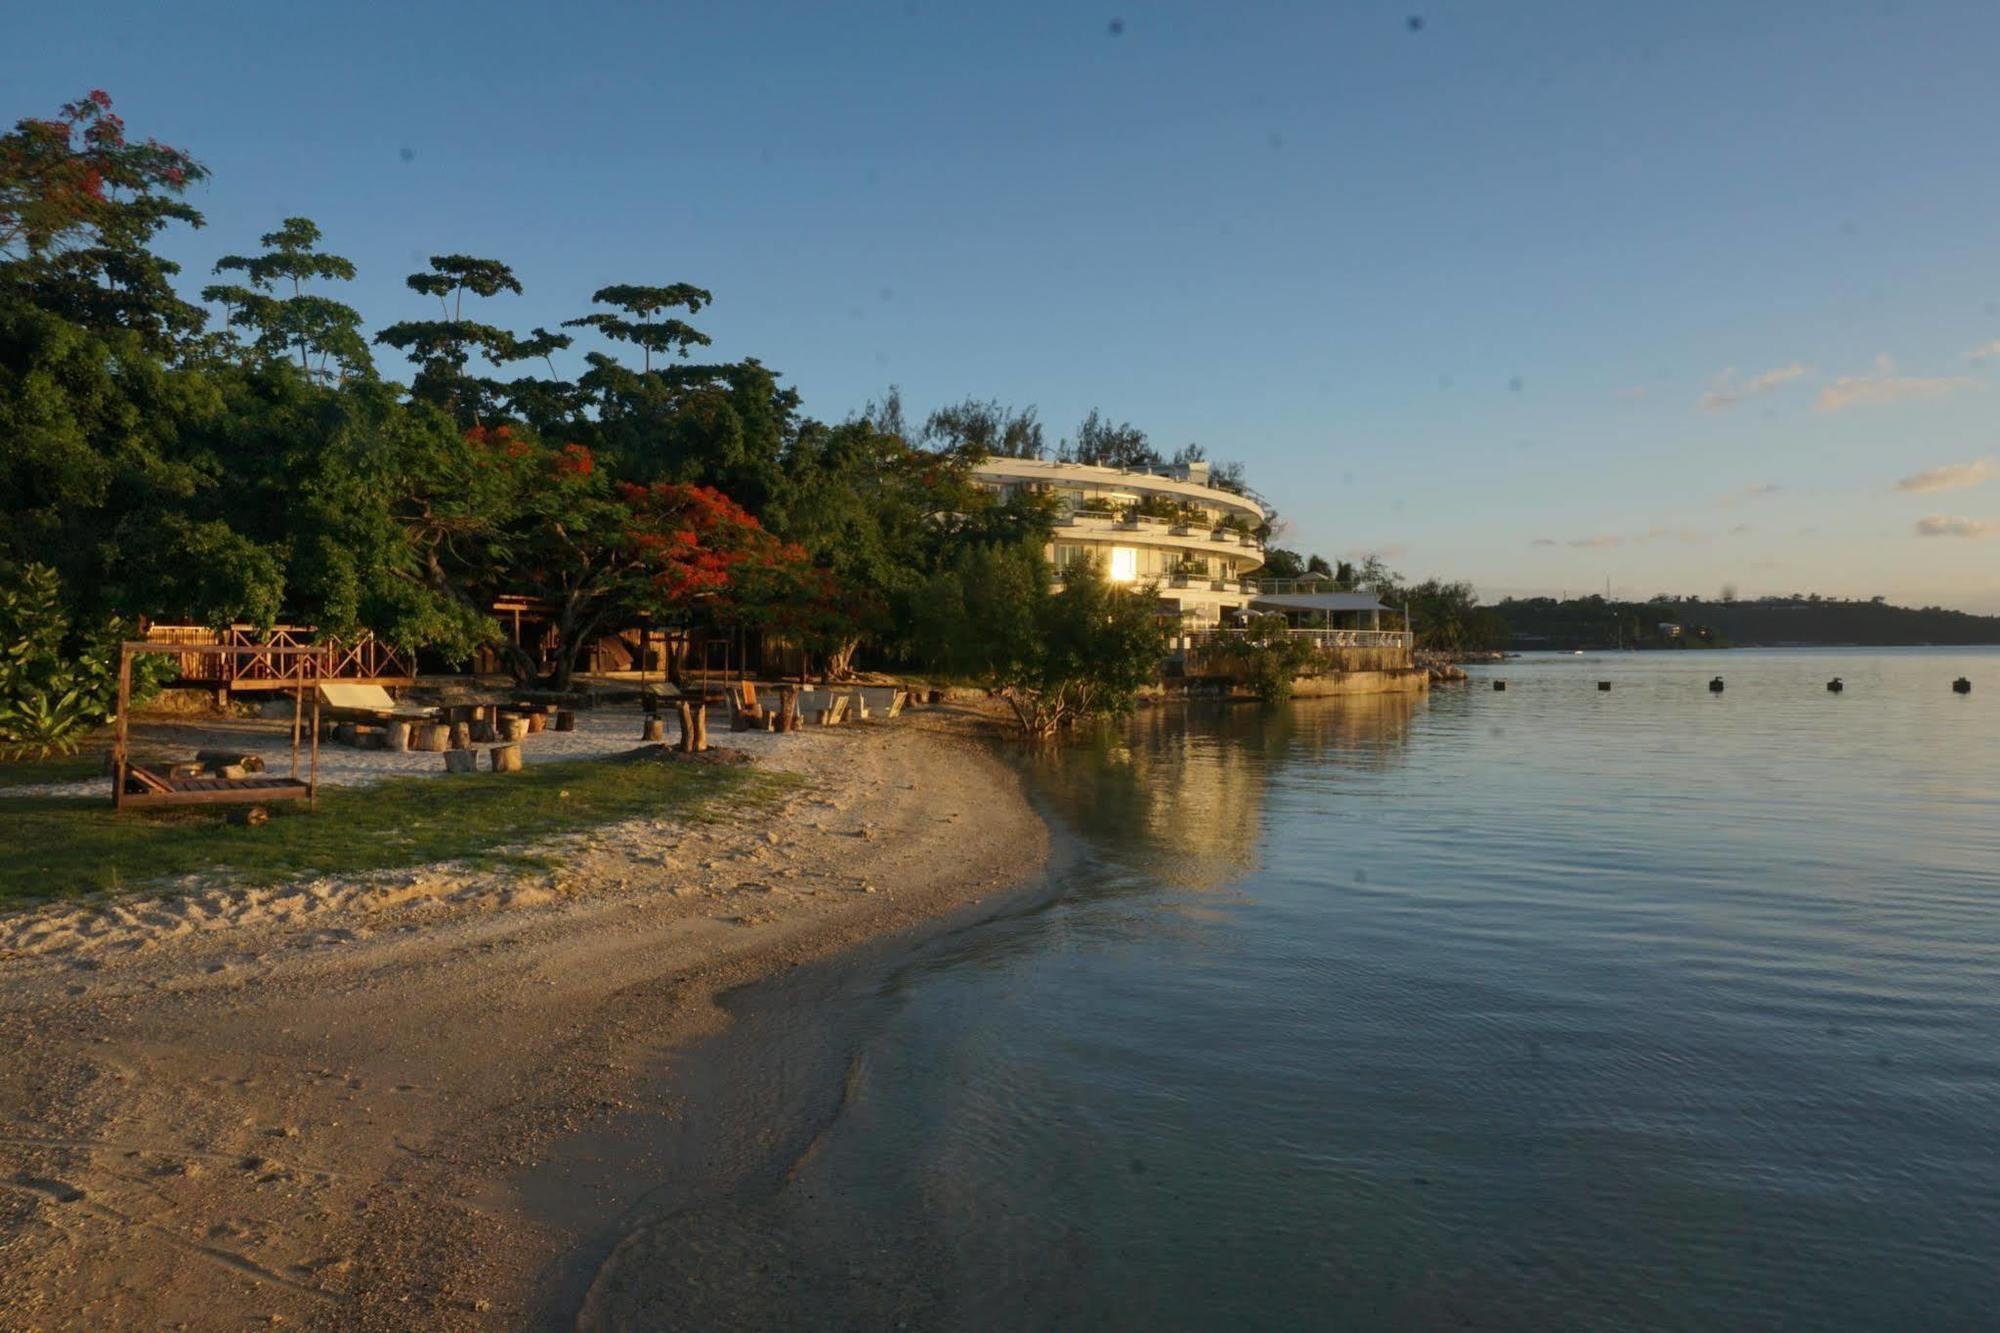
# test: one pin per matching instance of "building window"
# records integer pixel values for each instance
(1124, 564)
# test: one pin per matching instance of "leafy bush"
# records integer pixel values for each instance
(56, 682)
(1273, 657)
(1056, 656)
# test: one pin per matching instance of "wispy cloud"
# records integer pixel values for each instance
(1727, 389)
(1756, 490)
(1884, 385)
(1942, 525)
(1981, 355)
(1952, 477)
(1607, 540)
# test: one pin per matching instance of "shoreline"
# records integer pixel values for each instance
(319, 1118)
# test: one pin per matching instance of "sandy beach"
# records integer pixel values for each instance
(304, 1105)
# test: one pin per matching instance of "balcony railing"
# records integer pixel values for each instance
(1225, 639)
(1156, 526)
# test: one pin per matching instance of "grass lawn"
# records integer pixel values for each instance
(67, 768)
(56, 848)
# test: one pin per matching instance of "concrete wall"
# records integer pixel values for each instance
(1397, 680)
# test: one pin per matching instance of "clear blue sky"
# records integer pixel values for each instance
(1538, 295)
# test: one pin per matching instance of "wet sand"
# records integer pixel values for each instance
(315, 1108)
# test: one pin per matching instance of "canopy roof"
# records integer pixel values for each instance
(1316, 602)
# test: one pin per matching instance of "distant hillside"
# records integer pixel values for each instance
(1595, 622)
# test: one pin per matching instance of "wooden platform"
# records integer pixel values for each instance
(198, 791)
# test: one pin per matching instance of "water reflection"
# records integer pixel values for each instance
(1188, 786)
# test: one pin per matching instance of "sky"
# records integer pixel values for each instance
(1551, 297)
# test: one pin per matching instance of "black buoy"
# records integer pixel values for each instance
(1499, 684)
(1962, 685)
(1715, 686)
(1834, 686)
(1604, 685)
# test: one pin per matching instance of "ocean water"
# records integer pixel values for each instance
(1545, 1008)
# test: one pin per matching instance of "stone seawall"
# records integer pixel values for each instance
(1394, 680)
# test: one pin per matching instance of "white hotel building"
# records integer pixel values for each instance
(1175, 527)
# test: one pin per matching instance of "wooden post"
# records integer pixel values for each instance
(312, 779)
(565, 720)
(686, 743)
(118, 750)
(461, 761)
(298, 718)
(701, 726)
(504, 758)
(655, 730)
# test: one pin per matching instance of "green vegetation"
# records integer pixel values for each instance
(1598, 622)
(58, 848)
(62, 768)
(261, 471)
(1057, 656)
(1272, 658)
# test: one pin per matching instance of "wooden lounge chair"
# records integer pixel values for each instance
(343, 701)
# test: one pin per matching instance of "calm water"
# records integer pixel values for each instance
(1537, 1009)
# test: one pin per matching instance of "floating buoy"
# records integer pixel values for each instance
(1962, 685)
(1499, 684)
(1715, 686)
(1834, 686)
(1604, 685)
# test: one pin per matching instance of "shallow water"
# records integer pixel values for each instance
(1536, 1009)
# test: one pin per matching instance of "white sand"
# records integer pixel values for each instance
(227, 1107)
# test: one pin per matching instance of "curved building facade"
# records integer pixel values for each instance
(1200, 542)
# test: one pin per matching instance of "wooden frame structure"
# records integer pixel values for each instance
(164, 789)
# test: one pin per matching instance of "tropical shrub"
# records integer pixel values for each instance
(56, 684)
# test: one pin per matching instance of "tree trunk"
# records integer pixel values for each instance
(701, 726)
(686, 715)
(840, 661)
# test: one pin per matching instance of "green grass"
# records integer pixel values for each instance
(58, 848)
(65, 768)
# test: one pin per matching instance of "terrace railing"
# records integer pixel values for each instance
(282, 656)
(1227, 639)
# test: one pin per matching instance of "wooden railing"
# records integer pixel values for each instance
(282, 656)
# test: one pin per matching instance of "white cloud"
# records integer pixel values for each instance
(1980, 355)
(1726, 390)
(1884, 385)
(1941, 525)
(1952, 477)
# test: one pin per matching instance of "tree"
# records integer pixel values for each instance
(1273, 657)
(636, 323)
(1100, 442)
(442, 348)
(1056, 656)
(983, 429)
(79, 207)
(308, 324)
